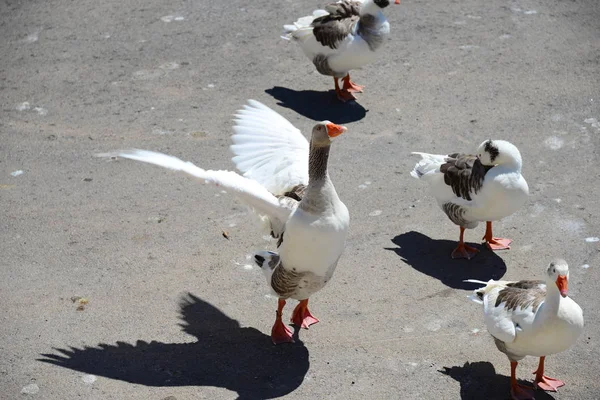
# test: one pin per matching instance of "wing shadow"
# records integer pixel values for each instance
(479, 380)
(432, 257)
(318, 106)
(225, 355)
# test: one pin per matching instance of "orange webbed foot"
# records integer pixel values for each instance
(548, 384)
(350, 86)
(281, 333)
(521, 392)
(464, 251)
(495, 243)
(302, 317)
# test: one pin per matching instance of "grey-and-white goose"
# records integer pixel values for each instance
(486, 186)
(342, 37)
(286, 181)
(531, 318)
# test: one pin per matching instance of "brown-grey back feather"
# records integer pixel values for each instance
(522, 294)
(464, 173)
(330, 30)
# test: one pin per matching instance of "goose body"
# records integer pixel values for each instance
(285, 180)
(475, 188)
(531, 318)
(344, 36)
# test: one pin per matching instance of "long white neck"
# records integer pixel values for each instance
(552, 301)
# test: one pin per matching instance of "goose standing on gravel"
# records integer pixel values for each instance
(531, 318)
(287, 183)
(343, 37)
(473, 188)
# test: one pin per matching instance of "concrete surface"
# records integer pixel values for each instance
(173, 313)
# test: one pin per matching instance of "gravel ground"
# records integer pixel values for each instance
(116, 281)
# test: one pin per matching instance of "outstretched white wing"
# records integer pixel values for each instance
(268, 149)
(249, 191)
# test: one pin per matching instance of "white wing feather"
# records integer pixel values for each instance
(428, 169)
(498, 320)
(268, 149)
(301, 31)
(247, 190)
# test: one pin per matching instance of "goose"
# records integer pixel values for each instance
(344, 36)
(531, 318)
(285, 180)
(487, 187)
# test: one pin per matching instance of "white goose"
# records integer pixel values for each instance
(343, 37)
(487, 186)
(287, 183)
(531, 318)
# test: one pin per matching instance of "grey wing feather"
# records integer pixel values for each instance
(522, 294)
(528, 284)
(289, 200)
(464, 173)
(331, 29)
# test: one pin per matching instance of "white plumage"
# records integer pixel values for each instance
(488, 189)
(249, 191)
(531, 318)
(268, 149)
(347, 42)
(273, 157)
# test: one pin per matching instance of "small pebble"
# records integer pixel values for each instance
(16, 173)
(30, 389)
(89, 379)
(592, 239)
(24, 106)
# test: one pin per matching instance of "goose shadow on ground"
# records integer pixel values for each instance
(479, 380)
(432, 257)
(318, 106)
(225, 355)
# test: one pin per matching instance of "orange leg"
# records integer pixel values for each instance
(342, 94)
(494, 243)
(281, 333)
(302, 317)
(543, 382)
(351, 86)
(518, 391)
(462, 250)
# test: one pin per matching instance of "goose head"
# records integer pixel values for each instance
(557, 274)
(372, 6)
(498, 152)
(324, 132)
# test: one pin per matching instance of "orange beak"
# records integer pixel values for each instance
(563, 285)
(334, 130)
(397, 1)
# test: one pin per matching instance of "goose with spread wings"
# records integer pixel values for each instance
(531, 318)
(470, 189)
(286, 181)
(344, 36)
